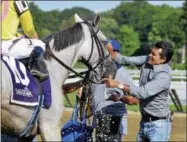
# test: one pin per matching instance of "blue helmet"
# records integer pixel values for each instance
(116, 45)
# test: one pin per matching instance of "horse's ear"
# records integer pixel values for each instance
(77, 18)
(97, 20)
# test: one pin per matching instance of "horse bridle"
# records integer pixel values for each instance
(102, 58)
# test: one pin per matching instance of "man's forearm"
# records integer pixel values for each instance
(129, 100)
(132, 61)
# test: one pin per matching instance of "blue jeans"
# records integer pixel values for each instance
(158, 130)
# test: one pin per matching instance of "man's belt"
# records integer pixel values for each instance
(149, 118)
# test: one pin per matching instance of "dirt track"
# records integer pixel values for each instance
(178, 133)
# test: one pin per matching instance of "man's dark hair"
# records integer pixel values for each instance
(167, 50)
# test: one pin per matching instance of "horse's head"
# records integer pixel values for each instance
(83, 41)
(93, 52)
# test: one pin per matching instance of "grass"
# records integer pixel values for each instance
(173, 108)
(79, 65)
(71, 98)
(129, 107)
(133, 108)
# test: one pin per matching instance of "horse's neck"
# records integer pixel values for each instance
(68, 56)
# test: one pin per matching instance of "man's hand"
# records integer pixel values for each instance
(110, 82)
(35, 35)
(130, 100)
(110, 50)
(109, 47)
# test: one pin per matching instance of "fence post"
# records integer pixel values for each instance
(177, 99)
(174, 100)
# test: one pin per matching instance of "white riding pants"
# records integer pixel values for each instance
(20, 49)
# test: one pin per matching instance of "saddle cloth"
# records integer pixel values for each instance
(25, 87)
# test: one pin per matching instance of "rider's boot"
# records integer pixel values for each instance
(36, 65)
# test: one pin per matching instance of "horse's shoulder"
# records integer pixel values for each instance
(4, 70)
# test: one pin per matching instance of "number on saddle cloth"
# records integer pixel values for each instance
(24, 85)
(17, 70)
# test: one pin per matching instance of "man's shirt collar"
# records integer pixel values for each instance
(162, 67)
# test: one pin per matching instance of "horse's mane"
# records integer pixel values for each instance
(64, 38)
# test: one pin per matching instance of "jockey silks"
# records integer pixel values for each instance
(11, 20)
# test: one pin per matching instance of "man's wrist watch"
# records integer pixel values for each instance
(120, 86)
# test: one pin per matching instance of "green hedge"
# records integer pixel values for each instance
(179, 66)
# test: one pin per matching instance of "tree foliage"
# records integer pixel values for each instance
(136, 24)
(109, 26)
(184, 17)
(129, 39)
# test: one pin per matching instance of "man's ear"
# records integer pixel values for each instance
(163, 60)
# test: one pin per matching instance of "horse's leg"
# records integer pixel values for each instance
(37, 138)
(50, 120)
(50, 133)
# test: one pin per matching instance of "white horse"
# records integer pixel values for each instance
(69, 45)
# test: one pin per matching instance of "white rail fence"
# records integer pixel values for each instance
(178, 75)
(178, 81)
